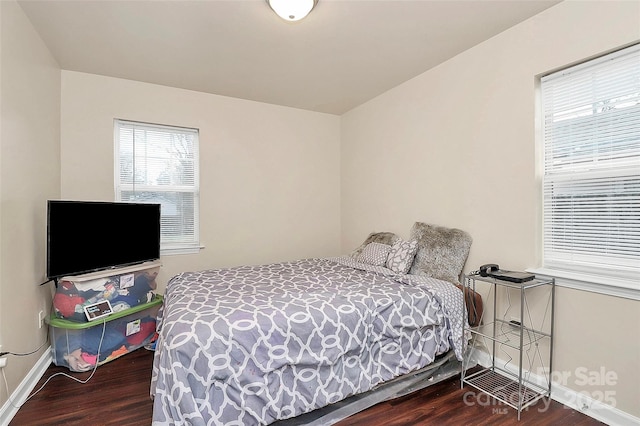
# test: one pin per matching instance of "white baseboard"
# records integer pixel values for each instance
(24, 389)
(569, 397)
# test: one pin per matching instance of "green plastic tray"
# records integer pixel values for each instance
(54, 321)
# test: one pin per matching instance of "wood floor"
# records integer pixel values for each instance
(118, 394)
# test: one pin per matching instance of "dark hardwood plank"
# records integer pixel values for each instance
(118, 394)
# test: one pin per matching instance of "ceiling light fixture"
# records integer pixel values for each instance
(292, 10)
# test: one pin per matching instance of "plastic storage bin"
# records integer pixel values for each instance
(79, 346)
(124, 288)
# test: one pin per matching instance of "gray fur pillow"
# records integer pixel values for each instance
(387, 238)
(442, 251)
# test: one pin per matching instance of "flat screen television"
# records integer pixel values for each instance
(89, 236)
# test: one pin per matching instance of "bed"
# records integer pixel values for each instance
(258, 344)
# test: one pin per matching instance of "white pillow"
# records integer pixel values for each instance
(401, 256)
(374, 254)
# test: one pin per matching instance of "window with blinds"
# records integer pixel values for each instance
(159, 164)
(591, 181)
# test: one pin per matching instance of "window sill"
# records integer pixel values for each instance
(595, 284)
(170, 251)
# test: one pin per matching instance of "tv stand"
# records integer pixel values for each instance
(55, 281)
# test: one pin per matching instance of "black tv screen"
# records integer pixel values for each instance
(87, 236)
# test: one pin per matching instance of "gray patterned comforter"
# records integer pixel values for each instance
(254, 344)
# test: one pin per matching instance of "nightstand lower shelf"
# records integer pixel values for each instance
(504, 387)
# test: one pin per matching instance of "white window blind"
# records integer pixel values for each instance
(159, 164)
(591, 183)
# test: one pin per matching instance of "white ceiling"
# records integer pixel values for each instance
(343, 54)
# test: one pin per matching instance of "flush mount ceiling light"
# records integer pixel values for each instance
(292, 10)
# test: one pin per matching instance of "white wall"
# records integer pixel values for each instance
(270, 175)
(456, 146)
(440, 148)
(29, 174)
